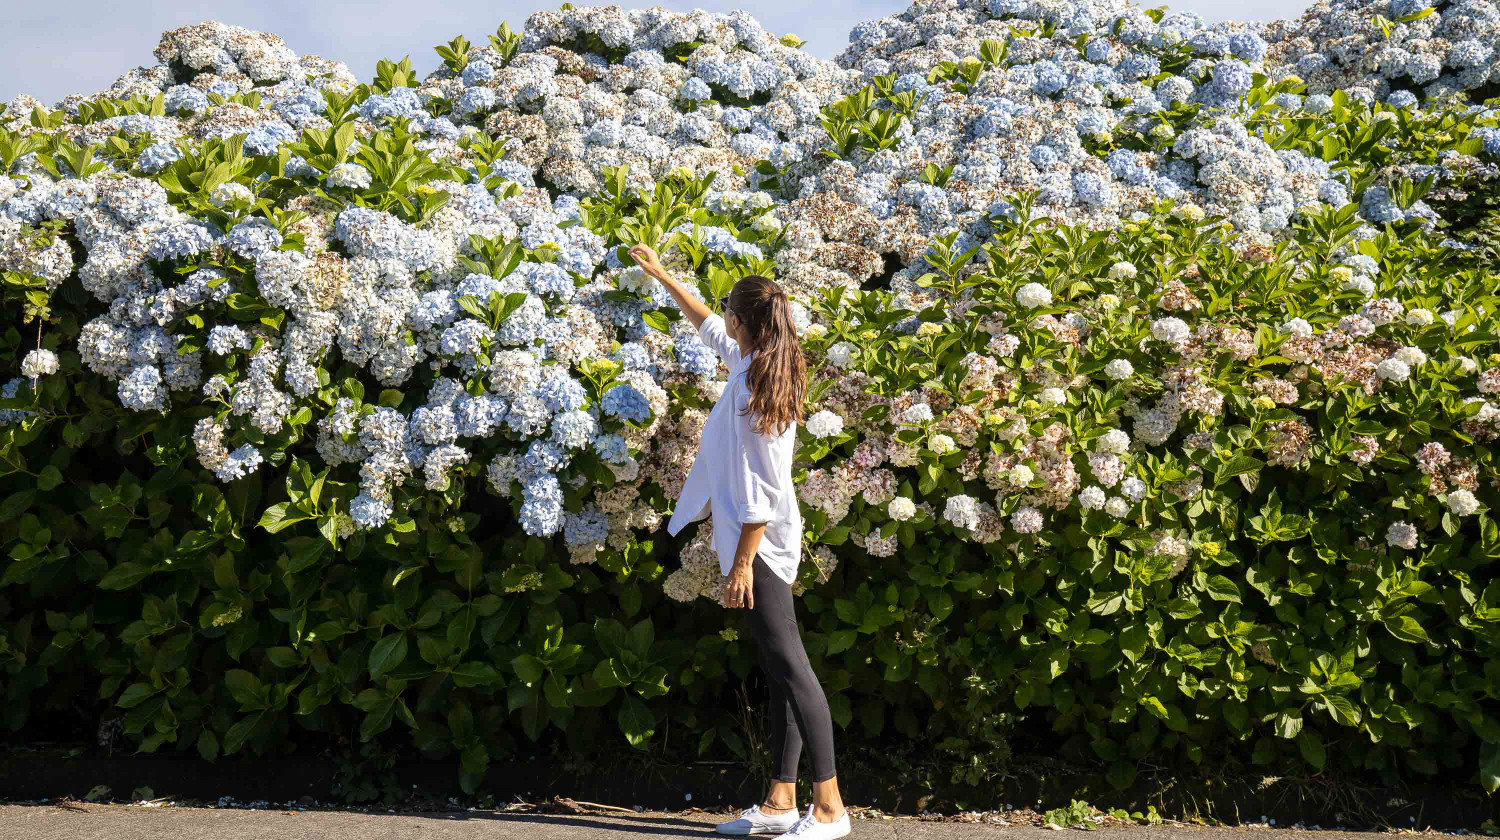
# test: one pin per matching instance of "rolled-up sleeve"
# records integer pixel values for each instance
(716, 337)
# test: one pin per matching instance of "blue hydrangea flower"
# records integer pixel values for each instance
(1231, 79)
(369, 512)
(1126, 166)
(267, 138)
(574, 429)
(561, 392)
(1401, 99)
(695, 90)
(1043, 157)
(1093, 190)
(180, 98)
(1098, 50)
(1378, 206)
(184, 240)
(158, 156)
(467, 337)
(477, 72)
(633, 356)
(478, 100)
(479, 416)
(542, 458)
(1247, 45)
(400, 102)
(1050, 78)
(1140, 66)
(1091, 125)
(694, 355)
(547, 279)
(625, 403)
(611, 448)
(590, 527)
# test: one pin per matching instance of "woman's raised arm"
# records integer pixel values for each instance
(692, 307)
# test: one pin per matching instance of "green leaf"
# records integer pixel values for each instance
(243, 686)
(281, 516)
(208, 744)
(237, 734)
(15, 504)
(840, 641)
(49, 478)
(1489, 768)
(1133, 642)
(387, 654)
(637, 721)
(1407, 630)
(527, 667)
(1288, 724)
(1221, 588)
(1311, 746)
(1238, 465)
(135, 695)
(1343, 711)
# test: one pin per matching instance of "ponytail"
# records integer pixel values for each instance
(778, 370)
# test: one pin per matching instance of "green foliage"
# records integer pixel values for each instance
(244, 619)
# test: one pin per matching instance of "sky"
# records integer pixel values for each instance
(53, 48)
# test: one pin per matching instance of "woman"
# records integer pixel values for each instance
(743, 477)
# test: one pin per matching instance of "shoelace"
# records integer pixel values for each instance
(803, 824)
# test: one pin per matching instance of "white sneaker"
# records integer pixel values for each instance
(754, 821)
(808, 828)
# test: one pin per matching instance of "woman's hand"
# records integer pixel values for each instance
(739, 590)
(695, 310)
(645, 257)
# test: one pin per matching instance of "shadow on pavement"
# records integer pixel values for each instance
(664, 826)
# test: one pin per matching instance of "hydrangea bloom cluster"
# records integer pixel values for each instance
(1341, 46)
(533, 374)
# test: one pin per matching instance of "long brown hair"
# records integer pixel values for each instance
(778, 371)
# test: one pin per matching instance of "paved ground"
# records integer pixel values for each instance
(127, 822)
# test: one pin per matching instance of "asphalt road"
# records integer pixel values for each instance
(128, 822)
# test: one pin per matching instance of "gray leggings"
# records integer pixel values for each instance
(799, 708)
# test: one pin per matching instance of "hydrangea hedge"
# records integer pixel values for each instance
(1152, 382)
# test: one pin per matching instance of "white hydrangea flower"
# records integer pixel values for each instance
(942, 444)
(1092, 498)
(1117, 507)
(1021, 475)
(1419, 317)
(825, 424)
(39, 363)
(1052, 396)
(1298, 327)
(1401, 535)
(841, 354)
(1033, 295)
(1170, 330)
(1026, 520)
(901, 509)
(1461, 502)
(917, 413)
(1122, 271)
(1393, 370)
(1118, 369)
(1113, 442)
(229, 193)
(1411, 356)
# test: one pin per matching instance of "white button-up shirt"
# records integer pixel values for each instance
(741, 476)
